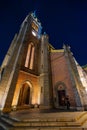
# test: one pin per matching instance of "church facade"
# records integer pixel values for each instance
(35, 74)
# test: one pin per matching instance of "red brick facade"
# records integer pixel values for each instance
(60, 73)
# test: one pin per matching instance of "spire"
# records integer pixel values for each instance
(45, 33)
(34, 13)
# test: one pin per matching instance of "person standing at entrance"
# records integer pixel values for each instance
(67, 102)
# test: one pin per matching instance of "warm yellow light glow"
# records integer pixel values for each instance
(32, 58)
(39, 97)
(33, 32)
(28, 56)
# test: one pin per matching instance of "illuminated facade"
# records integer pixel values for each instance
(35, 74)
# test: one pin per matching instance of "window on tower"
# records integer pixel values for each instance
(29, 62)
(35, 26)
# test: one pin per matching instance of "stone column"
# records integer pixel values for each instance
(44, 73)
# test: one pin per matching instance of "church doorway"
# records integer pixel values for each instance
(61, 97)
(24, 96)
(61, 92)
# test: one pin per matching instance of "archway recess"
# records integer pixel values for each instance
(24, 95)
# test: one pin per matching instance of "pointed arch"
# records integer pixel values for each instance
(29, 61)
(25, 94)
(60, 92)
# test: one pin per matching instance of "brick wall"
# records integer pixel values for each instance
(60, 73)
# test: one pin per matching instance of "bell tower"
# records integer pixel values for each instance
(19, 85)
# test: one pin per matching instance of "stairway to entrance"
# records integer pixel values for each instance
(43, 120)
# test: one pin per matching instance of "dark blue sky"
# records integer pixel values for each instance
(65, 21)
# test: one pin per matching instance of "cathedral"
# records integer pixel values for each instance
(34, 74)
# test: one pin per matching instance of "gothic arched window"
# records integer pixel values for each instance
(29, 62)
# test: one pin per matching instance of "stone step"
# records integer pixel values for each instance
(7, 123)
(45, 123)
(4, 125)
(47, 128)
(42, 128)
(40, 123)
(1, 128)
(82, 119)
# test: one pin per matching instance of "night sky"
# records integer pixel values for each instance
(65, 21)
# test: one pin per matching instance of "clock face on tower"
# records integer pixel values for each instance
(34, 29)
(34, 33)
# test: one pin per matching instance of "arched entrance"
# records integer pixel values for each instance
(24, 96)
(61, 97)
(60, 90)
